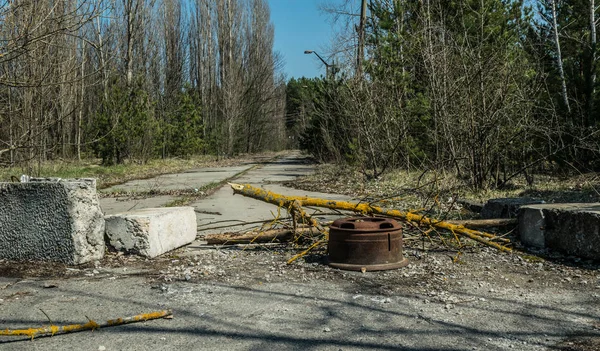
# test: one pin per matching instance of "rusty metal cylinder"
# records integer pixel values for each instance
(366, 243)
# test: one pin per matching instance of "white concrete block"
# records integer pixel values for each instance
(152, 231)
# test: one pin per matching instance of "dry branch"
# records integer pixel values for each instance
(364, 208)
(485, 223)
(293, 203)
(90, 325)
(266, 236)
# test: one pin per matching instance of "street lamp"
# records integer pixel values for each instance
(327, 66)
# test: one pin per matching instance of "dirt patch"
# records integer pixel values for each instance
(580, 344)
(10, 269)
(431, 267)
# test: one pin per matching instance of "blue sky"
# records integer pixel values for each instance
(299, 26)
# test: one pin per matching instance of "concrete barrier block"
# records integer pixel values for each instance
(51, 219)
(152, 231)
(506, 207)
(573, 229)
(532, 226)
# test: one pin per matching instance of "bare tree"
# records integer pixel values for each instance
(97, 76)
(559, 60)
(40, 71)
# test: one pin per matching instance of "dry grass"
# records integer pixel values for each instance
(112, 175)
(436, 193)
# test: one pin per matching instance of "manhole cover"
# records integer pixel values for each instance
(366, 243)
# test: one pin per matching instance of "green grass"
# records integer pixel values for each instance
(194, 195)
(203, 191)
(112, 175)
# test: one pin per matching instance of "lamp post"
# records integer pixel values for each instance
(327, 65)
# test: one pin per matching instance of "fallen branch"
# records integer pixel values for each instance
(364, 208)
(293, 203)
(485, 223)
(242, 223)
(91, 325)
(303, 253)
(266, 236)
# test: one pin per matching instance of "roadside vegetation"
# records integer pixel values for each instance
(499, 97)
(495, 95)
(128, 82)
(439, 194)
(116, 174)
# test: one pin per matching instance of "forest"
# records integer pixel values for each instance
(489, 90)
(137, 79)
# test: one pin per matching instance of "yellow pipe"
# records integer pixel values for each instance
(364, 208)
(91, 325)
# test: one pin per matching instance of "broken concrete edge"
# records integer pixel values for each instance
(572, 228)
(90, 181)
(151, 232)
(471, 205)
(88, 221)
(51, 219)
(506, 207)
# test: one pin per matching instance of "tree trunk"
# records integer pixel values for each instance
(360, 55)
(592, 78)
(559, 61)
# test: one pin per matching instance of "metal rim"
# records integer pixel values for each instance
(369, 267)
(365, 225)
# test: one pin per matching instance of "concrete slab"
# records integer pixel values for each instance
(286, 169)
(57, 220)
(573, 229)
(242, 300)
(192, 179)
(223, 208)
(113, 205)
(506, 207)
(151, 232)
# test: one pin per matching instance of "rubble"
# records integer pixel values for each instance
(152, 231)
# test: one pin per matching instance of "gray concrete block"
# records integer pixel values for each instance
(152, 231)
(532, 225)
(506, 207)
(573, 229)
(470, 205)
(49, 219)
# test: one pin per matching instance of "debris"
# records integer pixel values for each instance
(295, 203)
(366, 243)
(90, 325)
(255, 237)
(320, 242)
(485, 223)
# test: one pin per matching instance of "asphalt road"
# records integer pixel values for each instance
(235, 299)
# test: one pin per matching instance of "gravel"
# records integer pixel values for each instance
(238, 298)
